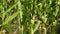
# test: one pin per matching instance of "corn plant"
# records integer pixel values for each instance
(29, 16)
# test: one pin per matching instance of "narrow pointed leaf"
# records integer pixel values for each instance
(10, 18)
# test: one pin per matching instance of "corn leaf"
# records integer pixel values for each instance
(10, 18)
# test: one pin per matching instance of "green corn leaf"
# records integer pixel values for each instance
(36, 27)
(8, 10)
(10, 18)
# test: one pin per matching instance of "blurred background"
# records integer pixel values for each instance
(29, 16)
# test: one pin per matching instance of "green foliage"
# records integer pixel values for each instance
(29, 16)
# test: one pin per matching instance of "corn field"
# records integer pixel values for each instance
(29, 16)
